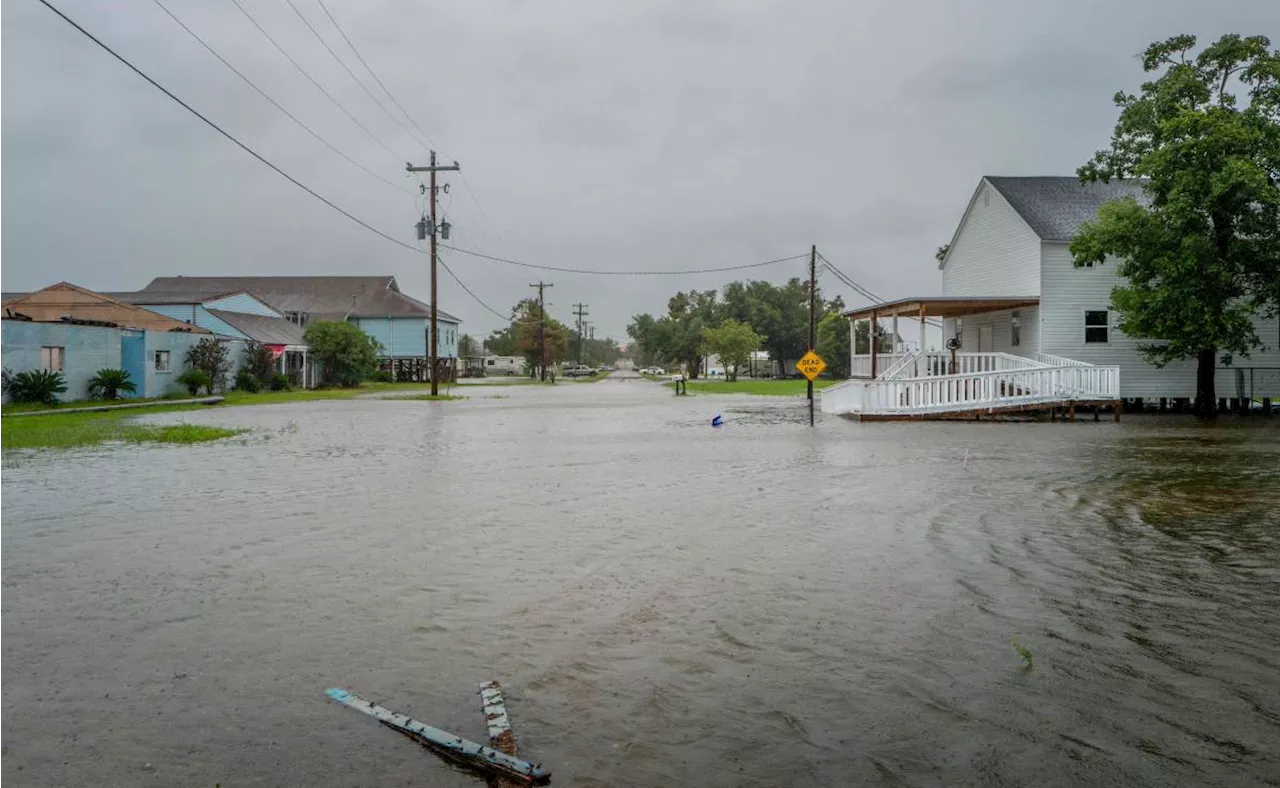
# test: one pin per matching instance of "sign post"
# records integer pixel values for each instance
(811, 366)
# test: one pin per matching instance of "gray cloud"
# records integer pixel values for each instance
(597, 135)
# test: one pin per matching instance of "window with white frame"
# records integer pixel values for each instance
(53, 359)
(162, 361)
(1095, 326)
(1015, 328)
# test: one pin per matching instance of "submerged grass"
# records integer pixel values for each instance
(1027, 660)
(768, 388)
(73, 430)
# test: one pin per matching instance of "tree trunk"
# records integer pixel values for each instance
(1206, 394)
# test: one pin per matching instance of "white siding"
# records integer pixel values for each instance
(1069, 291)
(994, 252)
(1001, 332)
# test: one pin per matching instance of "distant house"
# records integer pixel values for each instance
(68, 329)
(236, 315)
(399, 323)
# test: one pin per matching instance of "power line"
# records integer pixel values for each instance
(313, 81)
(232, 138)
(623, 273)
(360, 57)
(477, 298)
(274, 103)
(862, 290)
(222, 131)
(346, 68)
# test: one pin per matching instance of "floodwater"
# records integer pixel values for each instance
(666, 603)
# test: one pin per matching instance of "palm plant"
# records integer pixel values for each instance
(37, 385)
(109, 383)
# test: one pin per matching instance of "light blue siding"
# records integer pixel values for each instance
(407, 337)
(88, 349)
(196, 315)
(244, 303)
(177, 343)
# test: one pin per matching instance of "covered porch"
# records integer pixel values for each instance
(888, 325)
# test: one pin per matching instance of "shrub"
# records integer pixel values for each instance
(37, 385)
(280, 382)
(210, 357)
(260, 363)
(194, 380)
(108, 383)
(382, 376)
(247, 381)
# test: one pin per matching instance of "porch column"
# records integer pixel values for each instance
(922, 356)
(894, 343)
(871, 337)
(306, 378)
(853, 345)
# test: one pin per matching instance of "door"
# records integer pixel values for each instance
(984, 338)
(133, 359)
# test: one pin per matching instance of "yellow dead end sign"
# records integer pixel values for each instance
(811, 365)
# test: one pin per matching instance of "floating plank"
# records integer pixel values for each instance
(495, 715)
(456, 747)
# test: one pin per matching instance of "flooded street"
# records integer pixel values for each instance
(665, 603)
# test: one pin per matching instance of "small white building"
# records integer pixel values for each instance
(1012, 300)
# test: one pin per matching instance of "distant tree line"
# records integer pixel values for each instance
(734, 323)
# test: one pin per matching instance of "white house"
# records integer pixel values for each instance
(1013, 301)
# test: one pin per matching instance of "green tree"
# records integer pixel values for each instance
(734, 343)
(555, 337)
(679, 333)
(347, 355)
(467, 346)
(259, 361)
(833, 343)
(1201, 255)
(210, 357)
(504, 342)
(643, 330)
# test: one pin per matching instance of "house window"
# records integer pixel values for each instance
(53, 359)
(298, 318)
(491, 362)
(1095, 326)
(1015, 328)
(162, 361)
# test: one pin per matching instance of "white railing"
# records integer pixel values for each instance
(906, 364)
(973, 391)
(1059, 361)
(861, 366)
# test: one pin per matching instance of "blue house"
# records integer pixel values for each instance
(399, 323)
(77, 332)
(235, 315)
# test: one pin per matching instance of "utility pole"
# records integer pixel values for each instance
(433, 227)
(813, 324)
(542, 320)
(580, 310)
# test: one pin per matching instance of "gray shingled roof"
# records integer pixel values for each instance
(324, 297)
(1056, 206)
(158, 299)
(262, 328)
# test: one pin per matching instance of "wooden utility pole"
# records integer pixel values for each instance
(433, 227)
(542, 320)
(813, 315)
(580, 310)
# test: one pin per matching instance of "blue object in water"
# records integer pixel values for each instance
(718, 421)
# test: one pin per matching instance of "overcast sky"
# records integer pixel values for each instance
(598, 135)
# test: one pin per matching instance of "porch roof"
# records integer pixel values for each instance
(948, 306)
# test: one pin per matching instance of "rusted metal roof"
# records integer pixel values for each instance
(65, 300)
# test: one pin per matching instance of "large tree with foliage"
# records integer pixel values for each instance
(555, 337)
(1201, 254)
(468, 346)
(347, 355)
(833, 343)
(734, 343)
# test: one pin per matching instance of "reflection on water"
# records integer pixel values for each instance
(665, 603)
